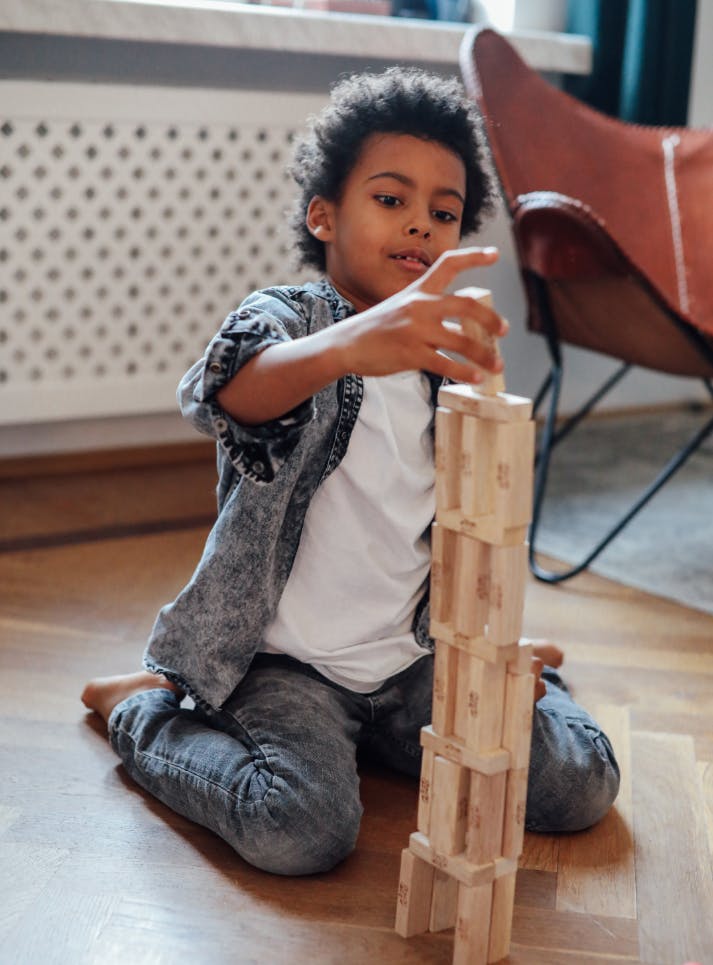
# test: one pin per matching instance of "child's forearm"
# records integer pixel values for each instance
(281, 377)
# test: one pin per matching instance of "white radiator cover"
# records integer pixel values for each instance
(132, 220)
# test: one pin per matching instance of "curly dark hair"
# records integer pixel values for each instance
(397, 101)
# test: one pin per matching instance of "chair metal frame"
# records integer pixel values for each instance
(552, 435)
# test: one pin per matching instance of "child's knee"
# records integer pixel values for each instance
(288, 837)
(575, 788)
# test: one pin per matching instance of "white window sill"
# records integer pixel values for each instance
(251, 27)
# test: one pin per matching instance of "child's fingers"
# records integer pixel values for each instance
(453, 338)
(448, 368)
(470, 309)
(446, 269)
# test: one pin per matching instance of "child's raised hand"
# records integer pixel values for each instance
(409, 330)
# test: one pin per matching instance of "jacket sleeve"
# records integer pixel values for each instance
(256, 452)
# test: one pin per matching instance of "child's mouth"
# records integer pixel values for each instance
(412, 260)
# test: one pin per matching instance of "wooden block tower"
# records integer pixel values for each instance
(459, 869)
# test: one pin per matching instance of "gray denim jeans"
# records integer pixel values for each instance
(274, 773)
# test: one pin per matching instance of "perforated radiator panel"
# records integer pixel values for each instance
(131, 222)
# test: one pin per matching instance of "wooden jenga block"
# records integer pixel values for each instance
(508, 575)
(425, 792)
(486, 762)
(517, 718)
(413, 903)
(491, 383)
(444, 902)
(477, 646)
(449, 806)
(501, 917)
(443, 549)
(486, 810)
(521, 661)
(480, 694)
(515, 808)
(448, 456)
(477, 450)
(471, 586)
(472, 932)
(502, 407)
(457, 865)
(512, 479)
(488, 527)
(445, 673)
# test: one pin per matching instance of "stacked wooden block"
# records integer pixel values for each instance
(460, 867)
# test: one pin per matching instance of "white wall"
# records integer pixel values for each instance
(700, 107)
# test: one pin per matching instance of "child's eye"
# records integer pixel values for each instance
(388, 200)
(446, 216)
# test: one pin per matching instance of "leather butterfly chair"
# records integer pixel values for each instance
(613, 226)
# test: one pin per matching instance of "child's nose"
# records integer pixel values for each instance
(414, 230)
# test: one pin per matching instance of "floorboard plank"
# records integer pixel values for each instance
(596, 870)
(673, 877)
(705, 773)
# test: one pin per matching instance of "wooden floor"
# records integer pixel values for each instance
(94, 871)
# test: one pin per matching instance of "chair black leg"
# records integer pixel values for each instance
(549, 440)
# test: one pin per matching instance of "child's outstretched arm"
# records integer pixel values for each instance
(404, 332)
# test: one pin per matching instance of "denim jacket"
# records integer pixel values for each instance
(206, 639)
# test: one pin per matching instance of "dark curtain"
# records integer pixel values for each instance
(642, 53)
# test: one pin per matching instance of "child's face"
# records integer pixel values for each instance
(400, 208)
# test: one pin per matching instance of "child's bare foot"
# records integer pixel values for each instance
(547, 652)
(103, 693)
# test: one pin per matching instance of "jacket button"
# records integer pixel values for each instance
(215, 367)
(244, 313)
(258, 467)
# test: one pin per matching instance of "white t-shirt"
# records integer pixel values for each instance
(364, 557)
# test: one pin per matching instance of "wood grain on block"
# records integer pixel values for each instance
(449, 806)
(522, 661)
(425, 792)
(486, 811)
(444, 901)
(512, 476)
(502, 407)
(515, 807)
(508, 577)
(445, 675)
(477, 646)
(517, 718)
(491, 383)
(480, 702)
(477, 453)
(471, 585)
(501, 917)
(472, 931)
(488, 528)
(443, 548)
(413, 901)
(457, 865)
(487, 762)
(448, 457)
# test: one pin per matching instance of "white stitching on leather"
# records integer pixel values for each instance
(669, 145)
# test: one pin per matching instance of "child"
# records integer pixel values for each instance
(303, 634)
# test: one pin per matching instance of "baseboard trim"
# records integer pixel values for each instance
(68, 463)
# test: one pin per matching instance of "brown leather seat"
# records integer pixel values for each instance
(613, 227)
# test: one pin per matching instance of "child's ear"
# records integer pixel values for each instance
(320, 219)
